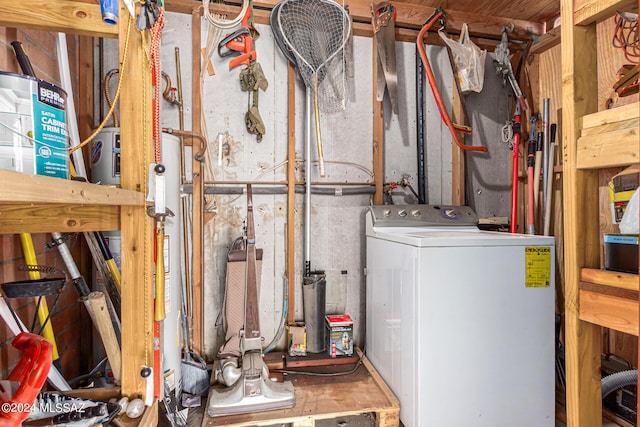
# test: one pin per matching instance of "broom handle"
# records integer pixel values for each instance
(316, 110)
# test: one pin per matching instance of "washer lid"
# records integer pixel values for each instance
(459, 237)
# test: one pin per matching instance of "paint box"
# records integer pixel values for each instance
(621, 252)
(297, 339)
(339, 335)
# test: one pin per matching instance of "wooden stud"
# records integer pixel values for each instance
(47, 218)
(291, 190)
(457, 154)
(378, 131)
(582, 339)
(137, 243)
(197, 237)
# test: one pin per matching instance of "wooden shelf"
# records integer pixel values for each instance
(590, 11)
(73, 17)
(609, 138)
(324, 398)
(609, 299)
(610, 278)
(40, 204)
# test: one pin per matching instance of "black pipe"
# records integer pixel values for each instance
(422, 197)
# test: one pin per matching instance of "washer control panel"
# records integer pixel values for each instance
(421, 215)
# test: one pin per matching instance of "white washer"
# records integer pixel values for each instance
(460, 321)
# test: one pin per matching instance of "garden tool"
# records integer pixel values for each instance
(383, 20)
(503, 67)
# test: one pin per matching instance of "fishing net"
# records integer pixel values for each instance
(316, 32)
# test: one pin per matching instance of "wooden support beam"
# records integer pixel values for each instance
(65, 16)
(136, 226)
(64, 218)
(589, 11)
(378, 131)
(583, 340)
(457, 154)
(546, 41)
(197, 238)
(291, 191)
(28, 189)
(614, 310)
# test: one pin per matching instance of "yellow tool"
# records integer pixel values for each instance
(43, 310)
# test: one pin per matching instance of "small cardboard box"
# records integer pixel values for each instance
(297, 339)
(339, 335)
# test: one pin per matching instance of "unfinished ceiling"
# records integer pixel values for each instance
(485, 18)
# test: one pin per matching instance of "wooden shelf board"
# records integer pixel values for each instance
(610, 278)
(22, 188)
(615, 310)
(67, 16)
(613, 115)
(50, 217)
(609, 138)
(590, 11)
(546, 41)
(319, 398)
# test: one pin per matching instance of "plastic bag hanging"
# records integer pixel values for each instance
(469, 60)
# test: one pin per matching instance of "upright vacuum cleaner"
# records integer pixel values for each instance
(253, 391)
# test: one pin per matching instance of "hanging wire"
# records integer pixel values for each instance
(625, 36)
(220, 21)
(116, 97)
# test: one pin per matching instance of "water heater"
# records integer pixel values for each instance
(105, 169)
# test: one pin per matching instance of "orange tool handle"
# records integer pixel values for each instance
(159, 313)
(434, 87)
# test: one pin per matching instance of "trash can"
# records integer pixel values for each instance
(314, 294)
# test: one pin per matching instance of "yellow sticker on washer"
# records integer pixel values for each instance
(537, 266)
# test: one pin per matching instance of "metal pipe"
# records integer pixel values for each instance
(271, 190)
(200, 154)
(422, 197)
(545, 152)
(307, 201)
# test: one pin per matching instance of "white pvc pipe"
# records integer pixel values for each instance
(72, 122)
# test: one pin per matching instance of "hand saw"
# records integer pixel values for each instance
(383, 21)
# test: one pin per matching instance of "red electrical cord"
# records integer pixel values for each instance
(155, 32)
(444, 114)
(625, 37)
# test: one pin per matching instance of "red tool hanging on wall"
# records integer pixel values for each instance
(439, 15)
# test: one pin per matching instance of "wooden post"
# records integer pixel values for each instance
(583, 339)
(197, 237)
(457, 154)
(291, 191)
(378, 131)
(137, 236)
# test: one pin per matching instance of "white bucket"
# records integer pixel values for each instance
(33, 129)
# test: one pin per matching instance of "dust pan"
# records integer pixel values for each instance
(195, 377)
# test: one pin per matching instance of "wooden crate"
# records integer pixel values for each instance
(318, 398)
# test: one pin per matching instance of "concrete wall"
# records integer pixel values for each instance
(337, 222)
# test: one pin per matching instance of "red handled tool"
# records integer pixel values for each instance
(438, 15)
(31, 372)
(239, 41)
(514, 171)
